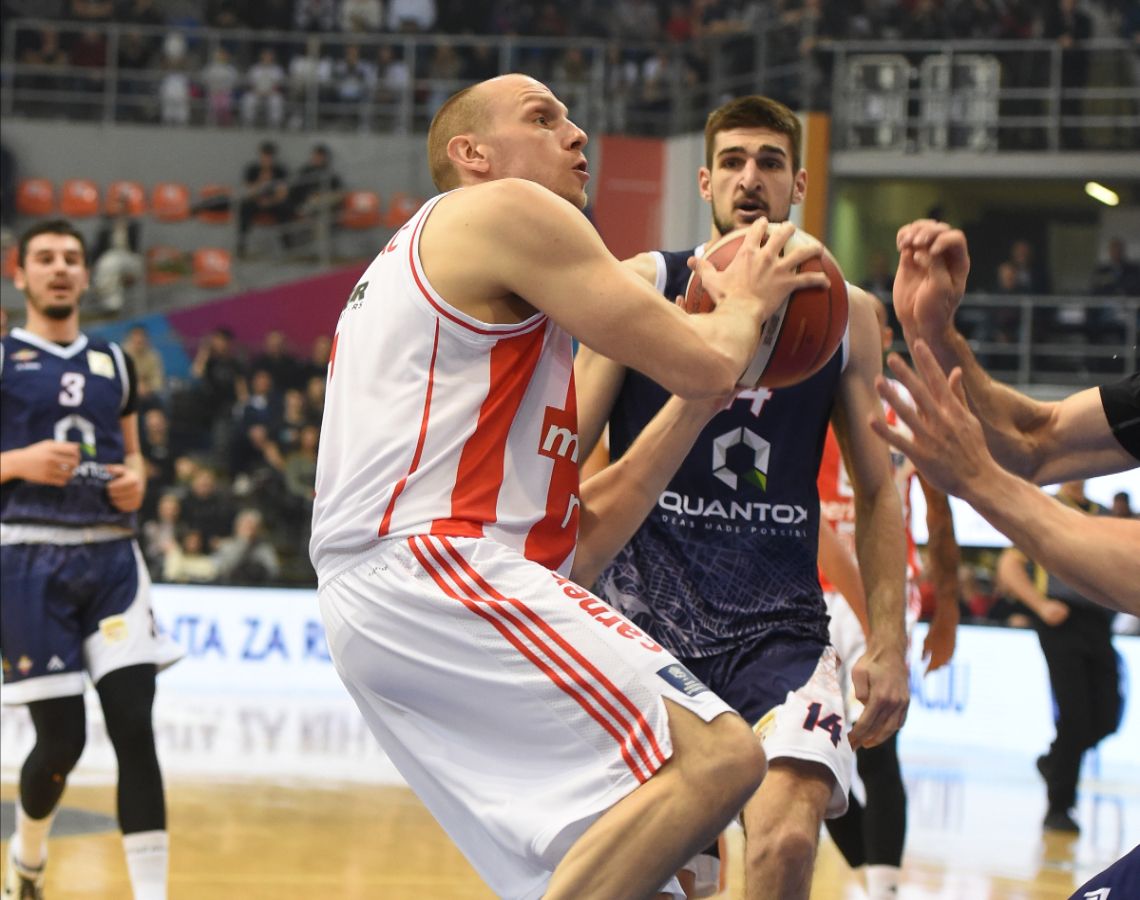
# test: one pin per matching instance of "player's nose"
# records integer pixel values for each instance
(576, 137)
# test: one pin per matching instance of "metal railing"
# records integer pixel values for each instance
(1028, 99)
(1059, 340)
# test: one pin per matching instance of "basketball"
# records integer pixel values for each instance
(802, 334)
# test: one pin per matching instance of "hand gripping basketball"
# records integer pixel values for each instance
(806, 329)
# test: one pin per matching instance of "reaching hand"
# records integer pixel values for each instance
(947, 444)
(931, 278)
(126, 489)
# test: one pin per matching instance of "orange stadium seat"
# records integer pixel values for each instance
(402, 208)
(79, 198)
(215, 216)
(11, 258)
(35, 197)
(170, 202)
(361, 209)
(164, 265)
(212, 267)
(125, 198)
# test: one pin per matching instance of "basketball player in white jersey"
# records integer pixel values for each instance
(566, 753)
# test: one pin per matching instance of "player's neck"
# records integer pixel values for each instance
(58, 331)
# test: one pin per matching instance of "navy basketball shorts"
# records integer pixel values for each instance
(789, 690)
(66, 609)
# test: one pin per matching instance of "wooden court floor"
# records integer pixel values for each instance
(260, 841)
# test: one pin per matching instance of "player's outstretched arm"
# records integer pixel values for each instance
(45, 462)
(1095, 555)
(616, 501)
(512, 244)
(943, 557)
(1042, 442)
(880, 676)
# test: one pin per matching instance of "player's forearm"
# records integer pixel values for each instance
(880, 545)
(616, 501)
(841, 569)
(137, 464)
(11, 465)
(942, 550)
(1098, 556)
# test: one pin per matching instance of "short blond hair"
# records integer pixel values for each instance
(464, 113)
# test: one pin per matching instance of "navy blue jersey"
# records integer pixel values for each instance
(74, 393)
(728, 555)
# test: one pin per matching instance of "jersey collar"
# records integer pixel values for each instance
(76, 346)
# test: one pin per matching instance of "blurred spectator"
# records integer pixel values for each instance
(358, 16)
(135, 56)
(301, 466)
(270, 15)
(315, 15)
(219, 373)
(309, 76)
(148, 362)
(318, 364)
(247, 557)
(636, 20)
(206, 509)
(185, 468)
(89, 52)
(47, 54)
(315, 396)
(226, 13)
(266, 192)
(445, 67)
(621, 79)
(161, 532)
(261, 407)
(294, 416)
(140, 12)
(118, 264)
(353, 79)
(1118, 277)
(679, 24)
(392, 75)
(411, 15)
(92, 10)
(1067, 25)
(159, 455)
(976, 600)
(221, 79)
(549, 22)
(978, 19)
(881, 281)
(1032, 277)
(183, 561)
(276, 359)
(266, 81)
(925, 22)
(1122, 505)
(482, 62)
(174, 95)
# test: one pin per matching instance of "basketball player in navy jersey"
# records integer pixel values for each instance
(723, 572)
(75, 592)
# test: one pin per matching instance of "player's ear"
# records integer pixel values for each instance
(467, 155)
(20, 278)
(799, 187)
(704, 183)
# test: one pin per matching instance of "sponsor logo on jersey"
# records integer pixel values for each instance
(766, 725)
(114, 629)
(682, 679)
(26, 366)
(100, 363)
(55, 664)
(560, 437)
(24, 665)
(755, 472)
(1099, 894)
(780, 513)
(25, 354)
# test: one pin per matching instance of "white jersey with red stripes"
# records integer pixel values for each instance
(837, 499)
(438, 423)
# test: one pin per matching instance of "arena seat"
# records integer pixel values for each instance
(170, 202)
(215, 216)
(11, 259)
(360, 210)
(212, 267)
(79, 198)
(164, 265)
(402, 207)
(125, 198)
(35, 197)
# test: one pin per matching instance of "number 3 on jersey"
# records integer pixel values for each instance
(72, 384)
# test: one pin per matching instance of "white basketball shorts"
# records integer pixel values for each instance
(517, 705)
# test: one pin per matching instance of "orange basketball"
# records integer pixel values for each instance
(802, 334)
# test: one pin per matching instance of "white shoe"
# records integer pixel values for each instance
(20, 882)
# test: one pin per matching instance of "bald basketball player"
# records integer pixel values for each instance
(973, 437)
(723, 572)
(566, 753)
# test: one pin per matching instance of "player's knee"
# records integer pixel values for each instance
(57, 754)
(736, 757)
(790, 841)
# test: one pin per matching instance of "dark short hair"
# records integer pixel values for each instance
(755, 111)
(268, 148)
(50, 226)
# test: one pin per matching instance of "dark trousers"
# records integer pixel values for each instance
(1086, 688)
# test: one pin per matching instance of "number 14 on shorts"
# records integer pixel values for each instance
(832, 723)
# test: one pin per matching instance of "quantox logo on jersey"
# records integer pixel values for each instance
(755, 464)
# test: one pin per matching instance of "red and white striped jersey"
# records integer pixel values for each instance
(438, 423)
(837, 498)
